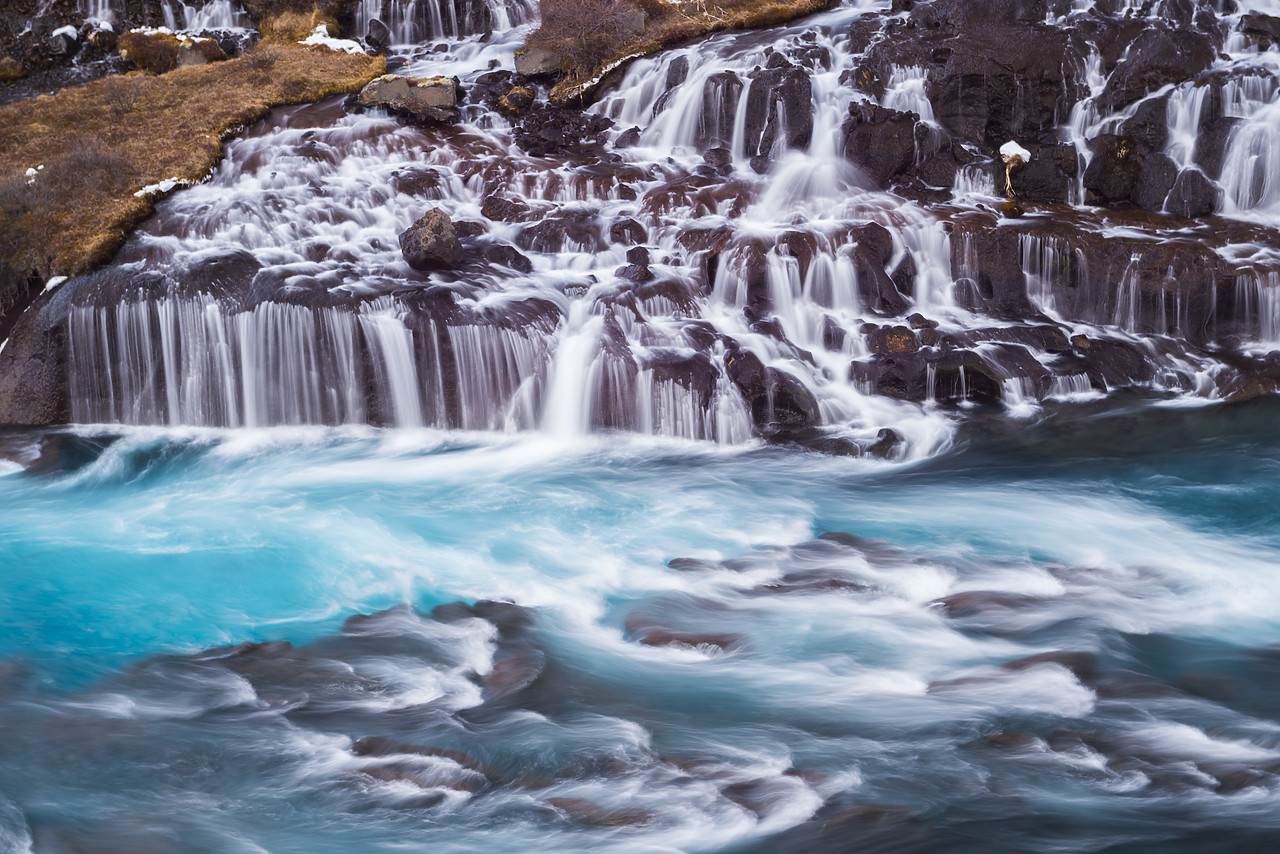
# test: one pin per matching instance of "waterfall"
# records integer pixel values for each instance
(1251, 169)
(97, 10)
(417, 21)
(1257, 301)
(905, 91)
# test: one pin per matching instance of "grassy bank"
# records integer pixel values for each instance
(595, 36)
(102, 142)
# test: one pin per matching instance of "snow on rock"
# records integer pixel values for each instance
(1011, 149)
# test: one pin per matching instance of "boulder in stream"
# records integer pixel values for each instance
(431, 243)
(429, 100)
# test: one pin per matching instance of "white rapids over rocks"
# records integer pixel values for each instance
(318, 197)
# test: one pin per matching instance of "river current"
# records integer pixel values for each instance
(1028, 642)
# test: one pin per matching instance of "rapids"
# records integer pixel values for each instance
(1024, 643)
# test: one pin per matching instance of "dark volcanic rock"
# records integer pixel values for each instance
(1123, 171)
(780, 404)
(1149, 125)
(430, 243)
(1158, 56)
(578, 229)
(509, 256)
(1258, 24)
(880, 141)
(1193, 194)
(378, 36)
(1048, 177)
(33, 381)
(948, 376)
(1211, 143)
(779, 108)
(553, 130)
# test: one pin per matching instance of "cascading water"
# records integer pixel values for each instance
(514, 627)
(573, 345)
(211, 15)
(415, 21)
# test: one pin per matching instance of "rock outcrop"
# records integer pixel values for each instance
(431, 100)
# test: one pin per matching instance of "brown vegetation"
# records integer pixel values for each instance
(101, 142)
(295, 26)
(587, 33)
(154, 52)
(592, 35)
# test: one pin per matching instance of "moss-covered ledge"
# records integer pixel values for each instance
(586, 41)
(95, 148)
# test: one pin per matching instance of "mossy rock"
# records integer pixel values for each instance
(11, 69)
(199, 52)
(153, 51)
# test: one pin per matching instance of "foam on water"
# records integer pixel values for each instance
(843, 658)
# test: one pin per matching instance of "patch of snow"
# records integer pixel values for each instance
(33, 172)
(320, 36)
(163, 187)
(53, 283)
(103, 25)
(1012, 149)
(68, 31)
(153, 31)
(595, 81)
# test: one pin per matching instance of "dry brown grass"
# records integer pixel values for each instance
(669, 26)
(295, 26)
(76, 213)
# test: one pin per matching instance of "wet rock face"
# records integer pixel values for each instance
(430, 243)
(1193, 195)
(1124, 171)
(1158, 56)
(780, 404)
(779, 108)
(880, 141)
(432, 100)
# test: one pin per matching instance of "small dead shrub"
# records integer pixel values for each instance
(121, 95)
(85, 163)
(15, 197)
(588, 33)
(263, 56)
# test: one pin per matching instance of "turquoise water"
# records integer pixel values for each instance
(864, 690)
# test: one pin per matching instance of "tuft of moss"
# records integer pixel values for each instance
(102, 142)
